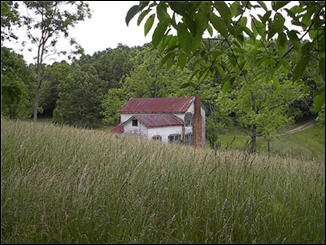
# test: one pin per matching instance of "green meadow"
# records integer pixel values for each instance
(61, 184)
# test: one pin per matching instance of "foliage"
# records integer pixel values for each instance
(149, 79)
(191, 19)
(113, 64)
(80, 96)
(261, 106)
(49, 92)
(51, 18)
(321, 117)
(9, 18)
(113, 101)
(16, 82)
(212, 134)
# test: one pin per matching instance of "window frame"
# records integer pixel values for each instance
(157, 137)
(133, 122)
(174, 136)
(186, 122)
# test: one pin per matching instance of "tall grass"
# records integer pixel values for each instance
(66, 185)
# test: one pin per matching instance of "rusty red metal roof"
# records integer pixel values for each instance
(158, 120)
(117, 129)
(157, 105)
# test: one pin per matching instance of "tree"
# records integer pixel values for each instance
(16, 79)
(149, 79)
(49, 91)
(261, 106)
(9, 17)
(80, 96)
(230, 21)
(113, 101)
(51, 19)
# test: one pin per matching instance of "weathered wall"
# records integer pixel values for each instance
(140, 130)
(164, 132)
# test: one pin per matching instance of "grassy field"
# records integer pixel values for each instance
(308, 144)
(65, 185)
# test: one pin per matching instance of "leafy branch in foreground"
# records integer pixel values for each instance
(191, 19)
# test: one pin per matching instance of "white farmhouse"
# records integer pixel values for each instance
(180, 119)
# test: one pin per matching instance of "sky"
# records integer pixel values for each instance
(105, 29)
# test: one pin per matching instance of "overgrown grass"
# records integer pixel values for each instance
(65, 185)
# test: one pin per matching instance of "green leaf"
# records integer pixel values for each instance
(300, 67)
(233, 8)
(262, 4)
(210, 30)
(281, 43)
(224, 10)
(294, 39)
(276, 5)
(278, 22)
(185, 38)
(319, 100)
(182, 59)
(159, 32)
(172, 42)
(149, 23)
(322, 68)
(243, 22)
(161, 11)
(178, 7)
(169, 55)
(143, 4)
(164, 43)
(142, 15)
(131, 13)
(219, 25)
(260, 27)
(226, 86)
(250, 33)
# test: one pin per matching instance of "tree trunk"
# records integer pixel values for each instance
(253, 139)
(269, 146)
(37, 92)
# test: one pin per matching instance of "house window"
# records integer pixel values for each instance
(188, 118)
(174, 138)
(135, 123)
(188, 139)
(157, 137)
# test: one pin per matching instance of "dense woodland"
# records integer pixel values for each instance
(88, 91)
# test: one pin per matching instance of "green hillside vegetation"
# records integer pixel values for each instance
(61, 184)
(306, 145)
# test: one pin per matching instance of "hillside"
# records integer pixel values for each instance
(296, 141)
(66, 185)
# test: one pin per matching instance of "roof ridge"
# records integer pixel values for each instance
(154, 105)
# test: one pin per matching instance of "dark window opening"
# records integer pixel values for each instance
(188, 118)
(157, 137)
(174, 138)
(135, 123)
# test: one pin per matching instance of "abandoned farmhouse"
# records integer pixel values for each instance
(180, 119)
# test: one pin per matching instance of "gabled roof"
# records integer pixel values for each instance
(117, 129)
(157, 120)
(157, 105)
